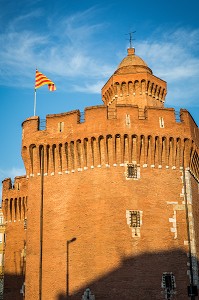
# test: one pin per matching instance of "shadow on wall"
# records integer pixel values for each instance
(140, 278)
(12, 286)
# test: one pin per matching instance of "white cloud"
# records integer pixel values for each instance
(66, 52)
(89, 88)
(175, 59)
(11, 173)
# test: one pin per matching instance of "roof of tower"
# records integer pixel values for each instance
(132, 64)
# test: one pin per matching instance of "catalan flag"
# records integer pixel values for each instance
(41, 79)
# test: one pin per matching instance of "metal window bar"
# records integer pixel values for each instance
(132, 171)
(25, 224)
(168, 283)
(135, 219)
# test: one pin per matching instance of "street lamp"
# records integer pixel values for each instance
(67, 265)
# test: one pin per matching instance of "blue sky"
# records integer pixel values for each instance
(78, 45)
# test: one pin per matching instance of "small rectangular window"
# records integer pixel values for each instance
(1, 238)
(134, 218)
(168, 281)
(161, 121)
(25, 224)
(131, 171)
(128, 120)
(61, 126)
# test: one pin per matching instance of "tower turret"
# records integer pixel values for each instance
(134, 83)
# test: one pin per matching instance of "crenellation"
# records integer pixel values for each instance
(87, 182)
(14, 200)
(30, 125)
(93, 117)
(19, 184)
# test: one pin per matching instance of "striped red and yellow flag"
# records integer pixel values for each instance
(41, 79)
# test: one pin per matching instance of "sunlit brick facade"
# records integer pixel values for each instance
(110, 204)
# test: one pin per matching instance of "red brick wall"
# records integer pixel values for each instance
(86, 196)
(14, 207)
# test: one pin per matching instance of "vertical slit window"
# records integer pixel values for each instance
(161, 121)
(61, 126)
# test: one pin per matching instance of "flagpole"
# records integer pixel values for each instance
(35, 103)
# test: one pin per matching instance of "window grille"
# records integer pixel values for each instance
(87, 295)
(135, 218)
(131, 171)
(168, 281)
(25, 224)
(168, 284)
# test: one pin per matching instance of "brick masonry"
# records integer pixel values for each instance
(86, 195)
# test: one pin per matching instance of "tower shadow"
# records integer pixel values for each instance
(139, 278)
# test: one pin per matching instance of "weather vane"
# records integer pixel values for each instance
(131, 38)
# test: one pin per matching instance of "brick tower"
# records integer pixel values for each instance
(109, 205)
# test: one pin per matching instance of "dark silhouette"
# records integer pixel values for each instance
(139, 278)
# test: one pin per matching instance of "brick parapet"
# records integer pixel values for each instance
(157, 140)
(85, 194)
(14, 199)
(96, 117)
(18, 186)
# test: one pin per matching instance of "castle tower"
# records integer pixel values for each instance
(134, 83)
(112, 202)
(14, 204)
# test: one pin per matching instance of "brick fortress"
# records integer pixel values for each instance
(109, 207)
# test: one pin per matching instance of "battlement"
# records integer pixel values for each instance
(64, 122)
(14, 198)
(19, 184)
(150, 137)
(58, 122)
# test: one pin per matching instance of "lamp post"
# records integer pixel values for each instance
(67, 265)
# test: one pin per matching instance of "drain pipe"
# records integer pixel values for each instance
(41, 223)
